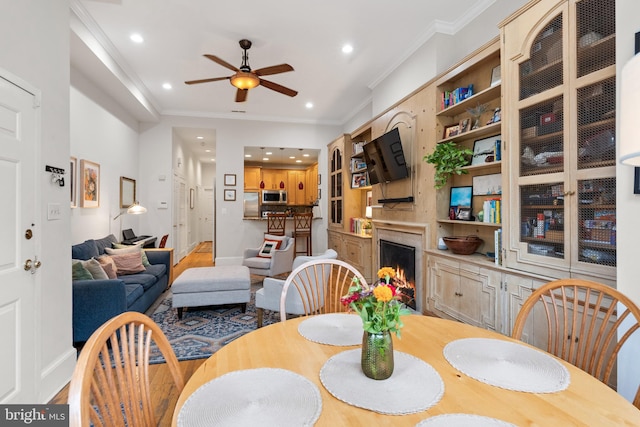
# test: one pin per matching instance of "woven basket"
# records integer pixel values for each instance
(463, 245)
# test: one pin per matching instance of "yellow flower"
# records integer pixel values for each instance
(386, 271)
(383, 293)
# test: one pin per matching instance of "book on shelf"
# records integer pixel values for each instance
(492, 210)
(360, 226)
(358, 147)
(452, 97)
(497, 238)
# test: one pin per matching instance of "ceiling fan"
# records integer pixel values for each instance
(245, 78)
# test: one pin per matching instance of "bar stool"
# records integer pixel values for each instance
(276, 223)
(302, 229)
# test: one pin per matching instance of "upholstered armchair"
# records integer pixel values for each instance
(268, 261)
(268, 298)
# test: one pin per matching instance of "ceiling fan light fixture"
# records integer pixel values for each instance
(244, 80)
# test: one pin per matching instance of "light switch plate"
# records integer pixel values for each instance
(53, 211)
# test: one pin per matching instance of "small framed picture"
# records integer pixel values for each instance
(319, 194)
(230, 179)
(359, 180)
(465, 125)
(319, 179)
(496, 79)
(229, 195)
(463, 214)
(90, 184)
(484, 150)
(497, 116)
(451, 130)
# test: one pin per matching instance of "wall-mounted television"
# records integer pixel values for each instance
(385, 158)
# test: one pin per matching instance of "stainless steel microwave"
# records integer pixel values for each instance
(274, 197)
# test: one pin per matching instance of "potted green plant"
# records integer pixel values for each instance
(448, 158)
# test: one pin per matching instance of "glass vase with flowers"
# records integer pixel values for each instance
(380, 309)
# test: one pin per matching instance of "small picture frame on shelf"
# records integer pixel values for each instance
(463, 214)
(465, 125)
(484, 150)
(359, 180)
(451, 130)
(496, 78)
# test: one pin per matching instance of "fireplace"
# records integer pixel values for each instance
(401, 245)
(402, 258)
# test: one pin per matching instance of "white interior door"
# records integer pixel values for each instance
(207, 215)
(17, 222)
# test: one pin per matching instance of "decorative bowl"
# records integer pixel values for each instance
(463, 245)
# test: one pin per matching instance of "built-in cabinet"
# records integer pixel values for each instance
(560, 106)
(336, 184)
(354, 249)
(274, 179)
(474, 290)
(474, 85)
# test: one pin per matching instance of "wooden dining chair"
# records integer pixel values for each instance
(276, 224)
(110, 383)
(315, 287)
(302, 231)
(585, 323)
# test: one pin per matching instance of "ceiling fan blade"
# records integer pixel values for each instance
(221, 62)
(215, 79)
(241, 95)
(274, 69)
(278, 88)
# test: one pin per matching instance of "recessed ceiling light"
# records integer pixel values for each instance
(266, 159)
(213, 160)
(199, 137)
(247, 155)
(166, 86)
(207, 151)
(136, 38)
(298, 161)
(292, 157)
(347, 48)
(309, 105)
(305, 155)
(268, 153)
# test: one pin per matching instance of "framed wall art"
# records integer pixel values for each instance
(73, 181)
(127, 192)
(484, 150)
(229, 195)
(90, 184)
(230, 179)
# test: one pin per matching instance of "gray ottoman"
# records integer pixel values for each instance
(201, 286)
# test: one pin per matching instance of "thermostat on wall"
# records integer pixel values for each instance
(163, 205)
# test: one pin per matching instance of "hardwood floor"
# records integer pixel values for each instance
(162, 392)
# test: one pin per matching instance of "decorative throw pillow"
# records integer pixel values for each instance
(126, 249)
(267, 248)
(78, 272)
(95, 269)
(130, 263)
(276, 238)
(108, 266)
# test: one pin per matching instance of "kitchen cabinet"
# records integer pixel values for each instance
(273, 178)
(252, 177)
(295, 194)
(560, 99)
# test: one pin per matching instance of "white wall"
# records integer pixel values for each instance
(34, 46)
(101, 137)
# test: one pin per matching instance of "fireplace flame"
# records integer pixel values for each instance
(402, 279)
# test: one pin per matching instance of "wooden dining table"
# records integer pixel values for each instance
(585, 402)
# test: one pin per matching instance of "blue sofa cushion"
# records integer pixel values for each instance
(105, 242)
(85, 251)
(143, 279)
(133, 292)
(157, 270)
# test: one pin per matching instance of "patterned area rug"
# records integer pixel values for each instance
(204, 330)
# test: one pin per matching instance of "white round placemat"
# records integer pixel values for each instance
(264, 397)
(507, 365)
(462, 420)
(414, 385)
(333, 329)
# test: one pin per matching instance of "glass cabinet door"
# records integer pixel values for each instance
(335, 176)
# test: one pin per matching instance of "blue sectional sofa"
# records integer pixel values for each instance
(96, 301)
